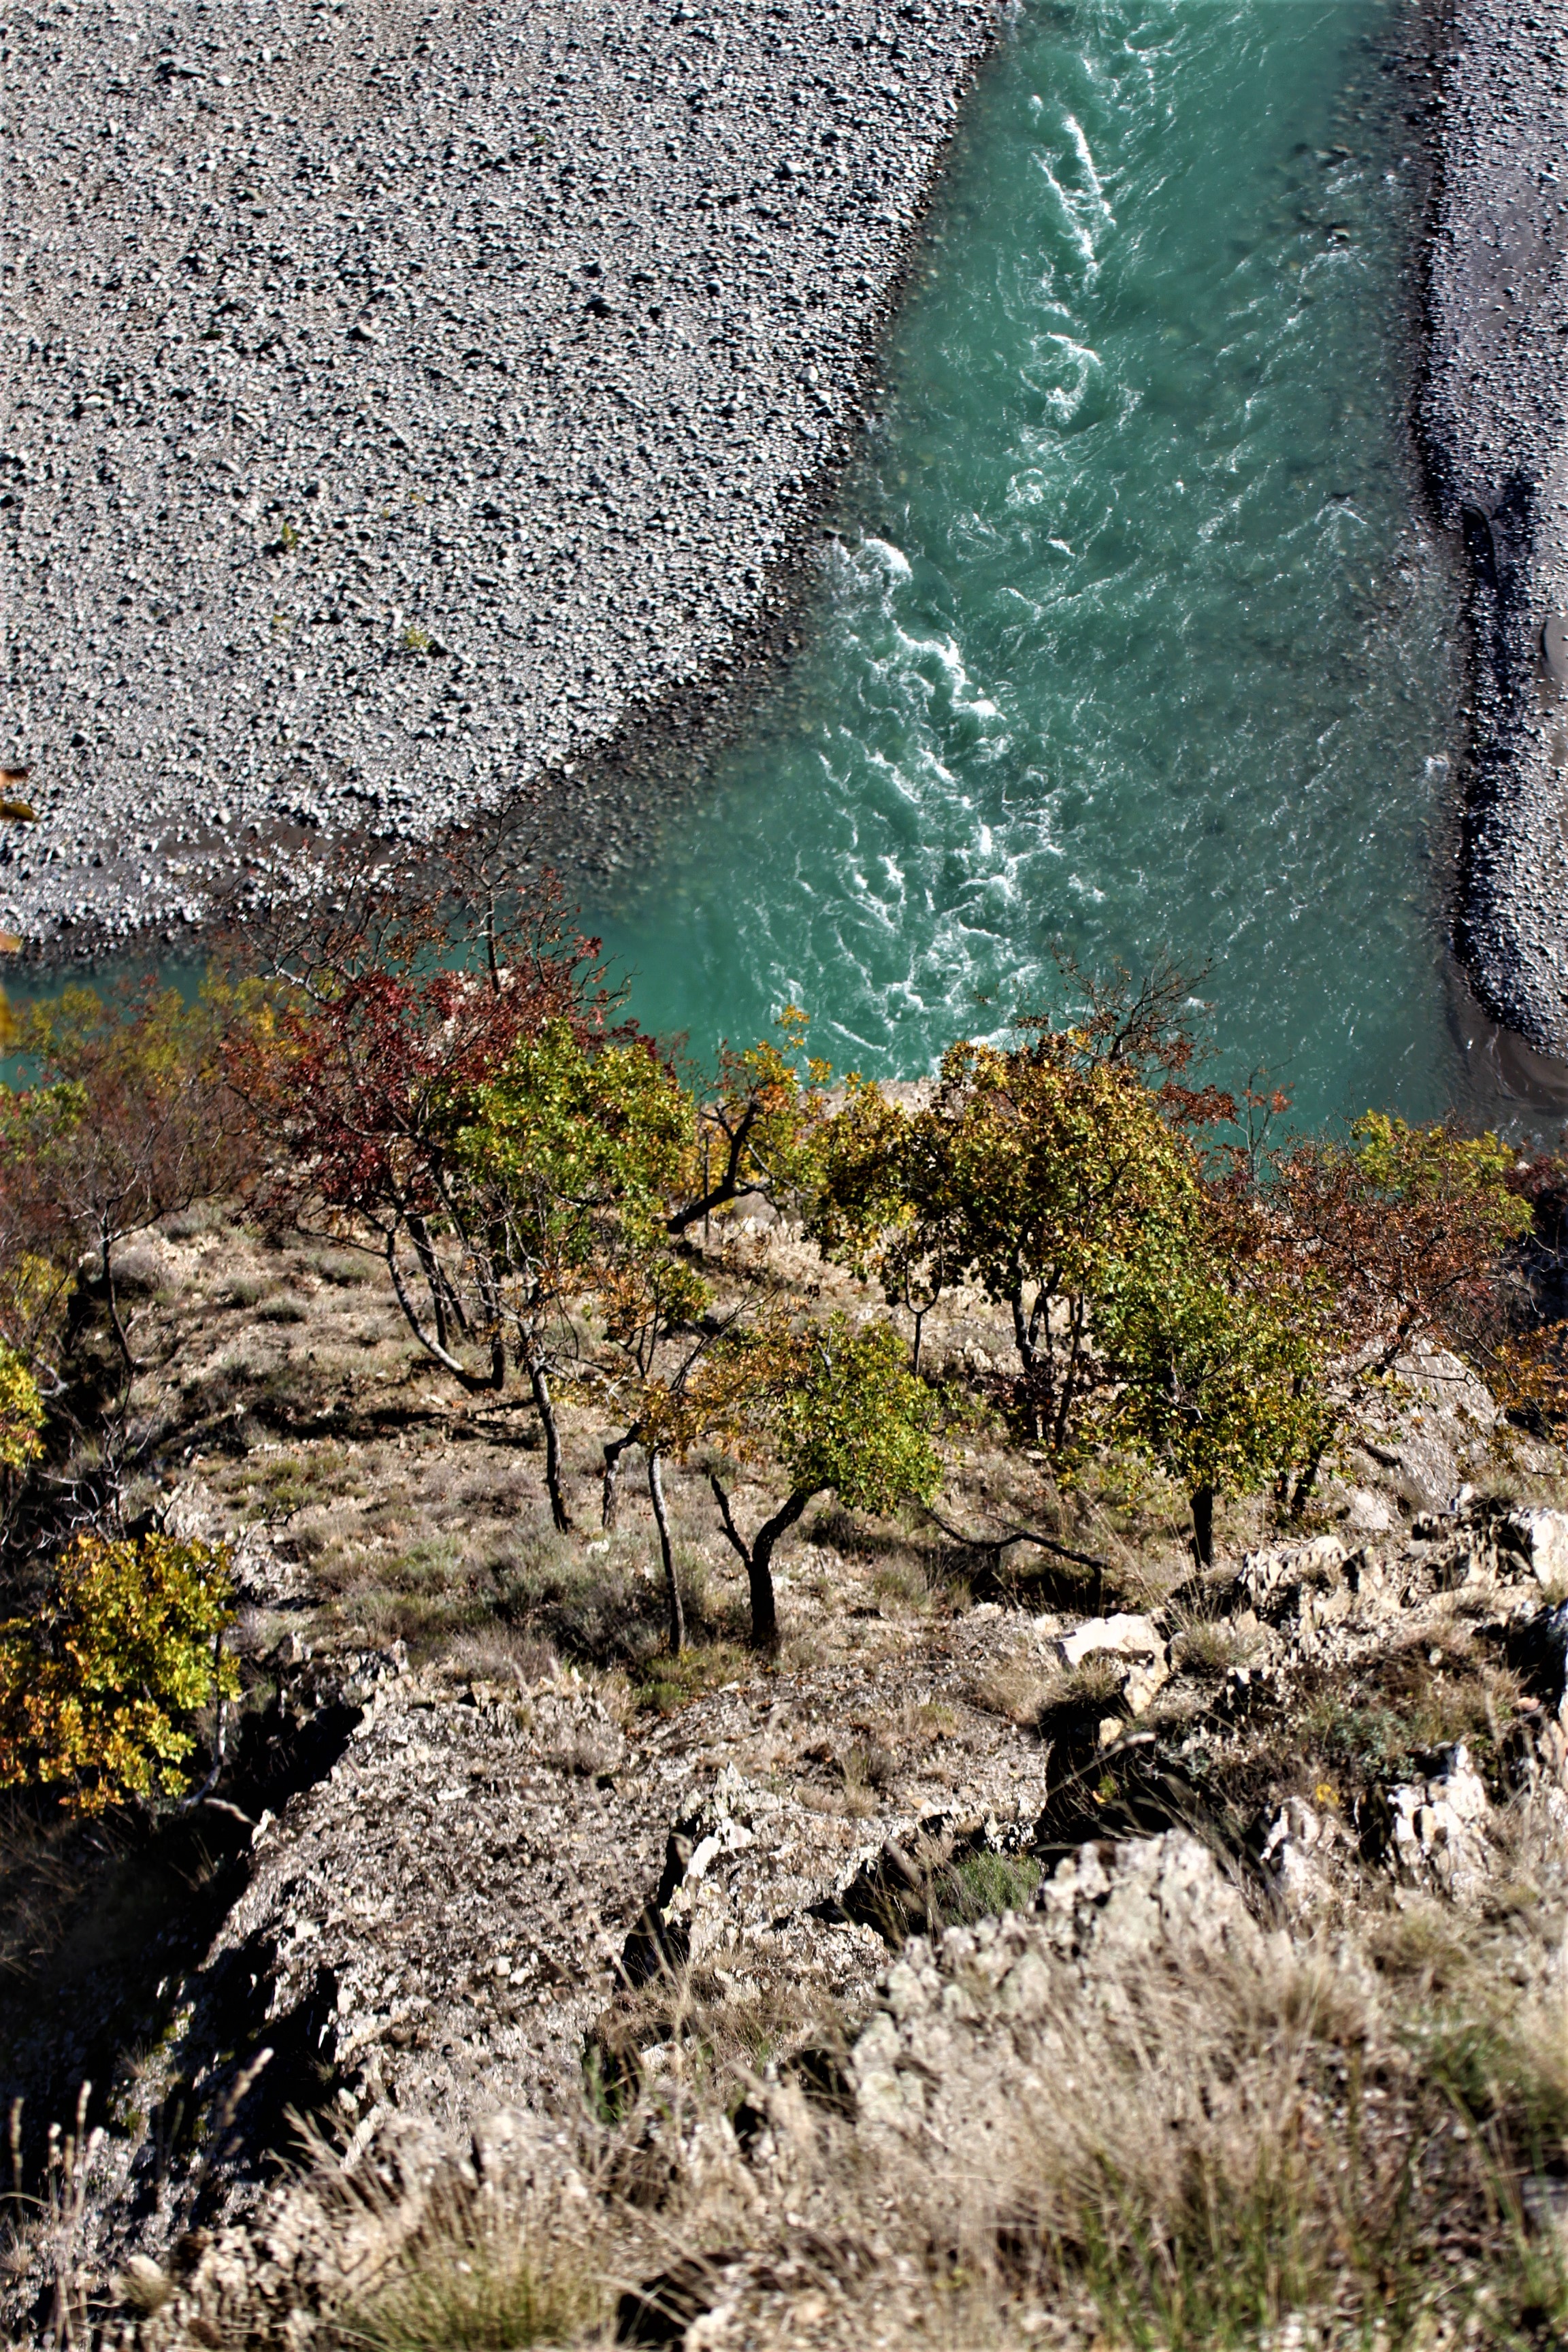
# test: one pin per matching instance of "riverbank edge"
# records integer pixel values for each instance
(1492, 431)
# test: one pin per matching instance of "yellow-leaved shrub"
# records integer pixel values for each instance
(97, 1690)
(21, 1412)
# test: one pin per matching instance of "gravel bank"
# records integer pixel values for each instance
(1494, 418)
(409, 401)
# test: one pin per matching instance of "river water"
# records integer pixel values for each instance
(1130, 639)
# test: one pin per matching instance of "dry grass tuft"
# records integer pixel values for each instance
(1208, 1647)
(1014, 1688)
(1179, 2150)
(456, 2264)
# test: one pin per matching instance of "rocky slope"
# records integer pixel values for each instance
(404, 404)
(508, 1896)
(504, 1930)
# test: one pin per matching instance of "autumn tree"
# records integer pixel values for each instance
(557, 1173)
(129, 1118)
(449, 1084)
(1033, 1173)
(1400, 1230)
(452, 1083)
(757, 1124)
(99, 1684)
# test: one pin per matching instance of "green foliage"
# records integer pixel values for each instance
(1218, 1362)
(834, 1404)
(1438, 1163)
(37, 1128)
(97, 1689)
(982, 1886)
(757, 1131)
(566, 1130)
(1035, 1172)
(841, 1411)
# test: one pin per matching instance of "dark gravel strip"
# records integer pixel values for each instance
(1494, 421)
(406, 400)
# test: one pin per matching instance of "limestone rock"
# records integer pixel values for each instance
(996, 2001)
(1271, 1579)
(1123, 1636)
(1134, 1639)
(1297, 1854)
(1436, 1830)
(1539, 1540)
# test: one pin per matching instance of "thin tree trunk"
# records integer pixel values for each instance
(661, 1520)
(613, 1449)
(1308, 1479)
(727, 1188)
(1070, 1370)
(539, 1383)
(1203, 1526)
(424, 1250)
(442, 1298)
(474, 1382)
(765, 1612)
(121, 1338)
(758, 1557)
(1025, 1346)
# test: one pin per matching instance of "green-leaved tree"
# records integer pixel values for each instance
(1215, 1354)
(1034, 1172)
(839, 1411)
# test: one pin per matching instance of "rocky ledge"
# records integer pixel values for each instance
(407, 403)
(1494, 418)
(503, 1905)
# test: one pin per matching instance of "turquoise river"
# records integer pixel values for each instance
(1130, 638)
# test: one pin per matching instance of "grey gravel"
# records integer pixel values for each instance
(1494, 419)
(407, 399)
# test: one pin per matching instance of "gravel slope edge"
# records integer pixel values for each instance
(416, 404)
(1493, 418)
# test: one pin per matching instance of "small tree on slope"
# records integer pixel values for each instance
(836, 1406)
(1217, 1361)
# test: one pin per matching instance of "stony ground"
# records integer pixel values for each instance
(1494, 420)
(484, 1850)
(407, 404)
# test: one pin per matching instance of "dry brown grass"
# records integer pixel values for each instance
(1325, 2146)
(1015, 1688)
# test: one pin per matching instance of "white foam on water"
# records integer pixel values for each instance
(1128, 635)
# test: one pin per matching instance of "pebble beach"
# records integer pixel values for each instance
(1494, 422)
(411, 406)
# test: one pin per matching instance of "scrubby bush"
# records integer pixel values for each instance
(128, 1120)
(21, 1412)
(97, 1688)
